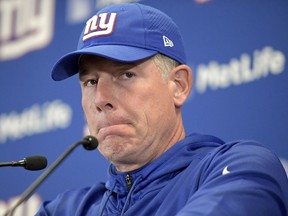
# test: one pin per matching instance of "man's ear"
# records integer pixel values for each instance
(181, 84)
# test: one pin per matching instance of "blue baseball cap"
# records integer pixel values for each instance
(125, 33)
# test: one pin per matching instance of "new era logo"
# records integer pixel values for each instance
(167, 42)
(99, 25)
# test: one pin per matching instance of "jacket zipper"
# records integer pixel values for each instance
(129, 181)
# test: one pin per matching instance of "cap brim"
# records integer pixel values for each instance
(68, 65)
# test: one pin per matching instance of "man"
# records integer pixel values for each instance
(134, 80)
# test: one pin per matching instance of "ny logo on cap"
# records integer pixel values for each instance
(98, 25)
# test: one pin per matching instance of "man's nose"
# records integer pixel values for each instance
(105, 95)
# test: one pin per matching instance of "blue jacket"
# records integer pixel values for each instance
(200, 175)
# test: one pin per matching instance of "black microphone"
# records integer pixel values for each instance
(89, 143)
(29, 163)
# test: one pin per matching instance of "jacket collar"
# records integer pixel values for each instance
(169, 164)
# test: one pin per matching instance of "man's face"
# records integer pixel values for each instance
(129, 108)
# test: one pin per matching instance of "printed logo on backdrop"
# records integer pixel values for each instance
(247, 68)
(25, 25)
(30, 207)
(202, 1)
(79, 11)
(36, 119)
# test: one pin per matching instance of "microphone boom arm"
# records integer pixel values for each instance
(87, 143)
(12, 163)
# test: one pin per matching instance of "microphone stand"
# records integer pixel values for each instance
(12, 163)
(87, 143)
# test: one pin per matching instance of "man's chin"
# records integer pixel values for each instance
(111, 148)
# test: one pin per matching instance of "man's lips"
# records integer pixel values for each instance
(112, 130)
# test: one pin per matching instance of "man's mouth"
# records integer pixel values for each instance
(112, 130)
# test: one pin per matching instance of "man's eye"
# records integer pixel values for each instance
(90, 83)
(127, 75)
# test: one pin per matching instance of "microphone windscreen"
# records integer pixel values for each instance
(90, 143)
(35, 163)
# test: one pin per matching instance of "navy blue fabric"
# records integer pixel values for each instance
(200, 175)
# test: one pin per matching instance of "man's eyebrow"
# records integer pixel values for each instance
(125, 65)
(81, 73)
(82, 69)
